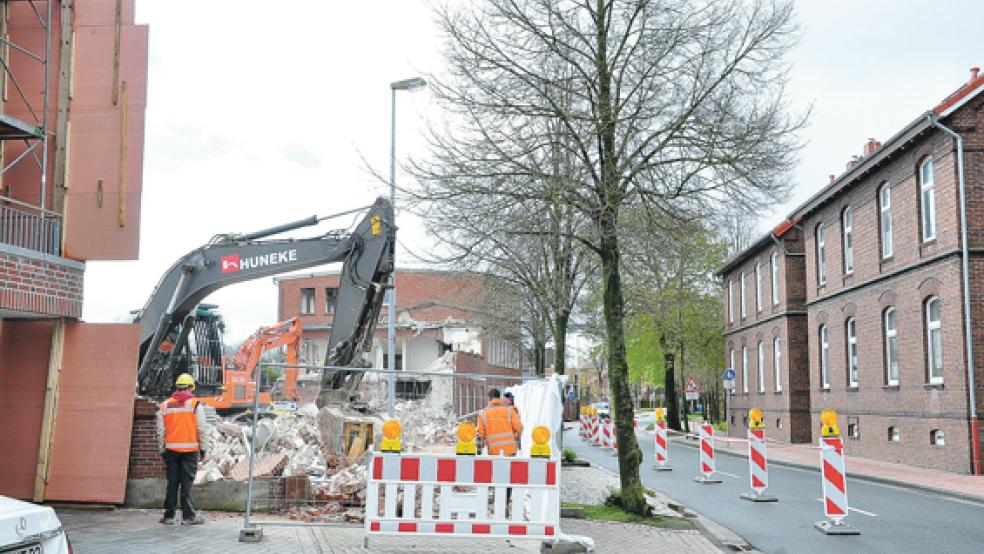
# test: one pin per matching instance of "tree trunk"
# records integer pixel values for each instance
(669, 383)
(539, 357)
(683, 380)
(629, 455)
(560, 342)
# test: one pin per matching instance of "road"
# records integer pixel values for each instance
(891, 519)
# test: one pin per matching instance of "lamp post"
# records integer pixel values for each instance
(413, 84)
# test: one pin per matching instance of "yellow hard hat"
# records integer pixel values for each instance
(185, 380)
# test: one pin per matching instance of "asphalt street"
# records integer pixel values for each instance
(891, 518)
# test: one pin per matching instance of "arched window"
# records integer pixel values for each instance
(744, 369)
(821, 258)
(775, 278)
(761, 366)
(885, 219)
(891, 348)
(851, 332)
(777, 362)
(824, 358)
(927, 199)
(934, 340)
(758, 287)
(847, 227)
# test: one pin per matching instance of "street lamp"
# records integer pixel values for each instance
(413, 84)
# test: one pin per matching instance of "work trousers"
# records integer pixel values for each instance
(181, 469)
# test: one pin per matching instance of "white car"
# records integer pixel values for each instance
(27, 528)
(602, 408)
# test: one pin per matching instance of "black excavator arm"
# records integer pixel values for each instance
(367, 256)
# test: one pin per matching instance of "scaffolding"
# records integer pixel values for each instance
(35, 227)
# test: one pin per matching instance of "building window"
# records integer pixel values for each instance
(854, 429)
(741, 295)
(894, 435)
(731, 301)
(847, 225)
(821, 274)
(761, 367)
(934, 341)
(891, 349)
(779, 423)
(851, 331)
(744, 369)
(777, 361)
(824, 358)
(307, 301)
(927, 202)
(936, 437)
(758, 287)
(775, 278)
(885, 216)
(331, 297)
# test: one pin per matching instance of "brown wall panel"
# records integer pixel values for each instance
(24, 350)
(91, 444)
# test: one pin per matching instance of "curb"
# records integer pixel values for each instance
(861, 477)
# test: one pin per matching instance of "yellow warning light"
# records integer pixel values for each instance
(755, 418)
(828, 423)
(391, 436)
(466, 439)
(541, 440)
(660, 414)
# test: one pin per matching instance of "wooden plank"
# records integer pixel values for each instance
(122, 197)
(49, 413)
(116, 51)
(62, 107)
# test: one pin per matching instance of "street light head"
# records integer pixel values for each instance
(409, 84)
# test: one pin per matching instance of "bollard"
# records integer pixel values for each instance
(758, 470)
(662, 452)
(833, 478)
(706, 459)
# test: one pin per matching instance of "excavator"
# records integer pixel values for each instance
(174, 310)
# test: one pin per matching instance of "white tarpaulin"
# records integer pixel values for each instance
(541, 403)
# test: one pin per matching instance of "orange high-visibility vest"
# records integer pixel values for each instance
(499, 425)
(180, 426)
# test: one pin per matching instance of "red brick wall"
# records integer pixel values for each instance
(145, 458)
(471, 395)
(30, 284)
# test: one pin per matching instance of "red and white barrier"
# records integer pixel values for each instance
(706, 459)
(596, 430)
(662, 450)
(758, 469)
(463, 486)
(834, 480)
(607, 440)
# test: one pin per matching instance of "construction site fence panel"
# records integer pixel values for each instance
(463, 496)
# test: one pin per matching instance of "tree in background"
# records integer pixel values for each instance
(667, 108)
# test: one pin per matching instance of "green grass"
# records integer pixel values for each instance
(613, 513)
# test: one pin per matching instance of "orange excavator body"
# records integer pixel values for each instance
(240, 373)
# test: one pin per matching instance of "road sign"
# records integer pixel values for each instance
(729, 374)
(729, 384)
(571, 394)
(692, 395)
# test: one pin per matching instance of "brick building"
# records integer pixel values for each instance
(874, 263)
(71, 144)
(437, 313)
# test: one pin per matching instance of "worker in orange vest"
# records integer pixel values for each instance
(499, 426)
(181, 439)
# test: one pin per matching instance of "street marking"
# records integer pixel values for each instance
(732, 475)
(853, 509)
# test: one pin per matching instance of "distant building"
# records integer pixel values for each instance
(437, 313)
(856, 301)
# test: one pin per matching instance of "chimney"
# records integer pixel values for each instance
(832, 177)
(974, 72)
(853, 162)
(870, 147)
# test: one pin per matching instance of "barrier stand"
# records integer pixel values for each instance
(706, 459)
(834, 478)
(614, 435)
(466, 440)
(662, 451)
(758, 470)
(596, 433)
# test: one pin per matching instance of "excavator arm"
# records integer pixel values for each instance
(367, 256)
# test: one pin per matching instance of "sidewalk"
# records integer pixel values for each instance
(128, 531)
(806, 456)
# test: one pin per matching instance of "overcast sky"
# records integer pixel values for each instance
(259, 114)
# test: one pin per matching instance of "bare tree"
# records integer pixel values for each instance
(672, 107)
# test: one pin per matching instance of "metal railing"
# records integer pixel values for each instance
(30, 227)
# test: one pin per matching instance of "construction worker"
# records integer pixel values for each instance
(181, 439)
(508, 397)
(499, 426)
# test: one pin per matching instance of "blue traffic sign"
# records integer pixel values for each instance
(729, 374)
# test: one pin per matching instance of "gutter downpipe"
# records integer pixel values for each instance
(975, 438)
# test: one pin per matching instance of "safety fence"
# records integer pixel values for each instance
(594, 429)
(338, 475)
(29, 227)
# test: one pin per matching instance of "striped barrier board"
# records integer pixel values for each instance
(596, 430)
(758, 469)
(706, 459)
(834, 480)
(446, 495)
(662, 451)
